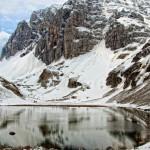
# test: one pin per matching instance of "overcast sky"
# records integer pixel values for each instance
(13, 11)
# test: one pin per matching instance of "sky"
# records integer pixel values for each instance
(13, 11)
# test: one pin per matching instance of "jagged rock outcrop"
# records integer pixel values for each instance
(67, 31)
(50, 45)
(10, 86)
(76, 27)
(20, 39)
(117, 36)
(41, 18)
(138, 96)
(73, 83)
(139, 70)
(113, 79)
(49, 76)
(143, 53)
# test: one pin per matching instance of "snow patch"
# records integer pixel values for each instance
(17, 66)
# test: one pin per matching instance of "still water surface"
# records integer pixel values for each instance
(73, 128)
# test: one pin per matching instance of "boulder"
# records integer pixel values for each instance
(12, 133)
(113, 79)
(48, 74)
(123, 56)
(73, 83)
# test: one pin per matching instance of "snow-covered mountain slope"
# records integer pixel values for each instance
(90, 70)
(97, 54)
(25, 72)
(19, 66)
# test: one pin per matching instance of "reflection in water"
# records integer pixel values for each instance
(73, 128)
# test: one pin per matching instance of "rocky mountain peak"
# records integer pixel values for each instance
(43, 15)
(77, 26)
(19, 40)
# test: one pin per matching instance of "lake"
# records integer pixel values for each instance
(102, 128)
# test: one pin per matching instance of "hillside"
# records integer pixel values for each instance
(93, 51)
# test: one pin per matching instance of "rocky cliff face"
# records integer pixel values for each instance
(134, 78)
(20, 39)
(68, 31)
(76, 27)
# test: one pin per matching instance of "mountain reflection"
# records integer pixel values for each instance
(73, 128)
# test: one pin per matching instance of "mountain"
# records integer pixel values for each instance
(93, 51)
